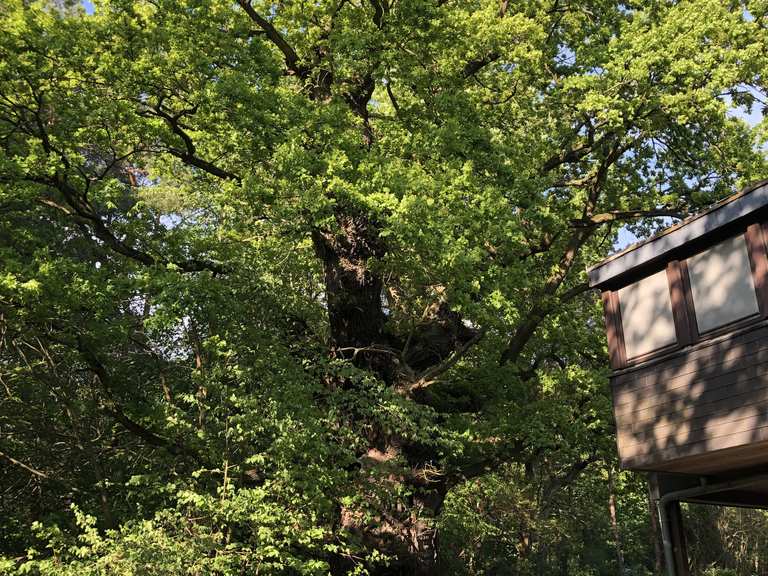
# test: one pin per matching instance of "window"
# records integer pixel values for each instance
(721, 284)
(646, 315)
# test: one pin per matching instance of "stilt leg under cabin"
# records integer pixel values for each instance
(745, 490)
(672, 530)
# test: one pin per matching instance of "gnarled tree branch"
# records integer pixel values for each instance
(188, 154)
(614, 215)
(112, 408)
(291, 58)
(430, 375)
(83, 214)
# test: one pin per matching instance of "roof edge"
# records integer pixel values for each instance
(747, 200)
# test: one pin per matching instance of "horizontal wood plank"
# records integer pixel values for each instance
(626, 402)
(722, 460)
(712, 399)
(700, 398)
(694, 430)
(712, 357)
(657, 459)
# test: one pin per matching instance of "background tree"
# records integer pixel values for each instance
(290, 287)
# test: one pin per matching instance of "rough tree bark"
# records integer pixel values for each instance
(357, 332)
(354, 293)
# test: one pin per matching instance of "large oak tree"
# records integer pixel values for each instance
(278, 277)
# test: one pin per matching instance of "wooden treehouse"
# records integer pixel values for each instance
(686, 316)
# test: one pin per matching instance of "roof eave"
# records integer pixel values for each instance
(751, 198)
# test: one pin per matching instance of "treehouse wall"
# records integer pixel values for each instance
(701, 410)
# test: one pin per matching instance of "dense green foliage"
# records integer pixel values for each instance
(298, 287)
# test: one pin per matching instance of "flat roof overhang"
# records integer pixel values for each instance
(748, 200)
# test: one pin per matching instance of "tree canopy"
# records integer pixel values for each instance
(298, 287)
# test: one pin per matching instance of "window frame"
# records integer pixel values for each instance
(736, 322)
(681, 296)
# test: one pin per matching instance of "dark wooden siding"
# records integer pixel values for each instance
(701, 409)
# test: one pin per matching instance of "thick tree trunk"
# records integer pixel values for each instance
(357, 331)
(354, 293)
(408, 534)
(404, 530)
